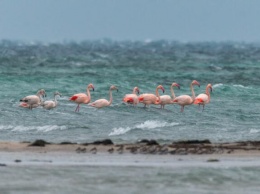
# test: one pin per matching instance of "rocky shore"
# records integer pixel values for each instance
(189, 147)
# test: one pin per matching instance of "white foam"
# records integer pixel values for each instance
(240, 86)
(217, 85)
(5, 127)
(254, 131)
(21, 128)
(150, 124)
(120, 130)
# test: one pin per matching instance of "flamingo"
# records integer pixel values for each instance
(82, 97)
(166, 99)
(203, 99)
(132, 98)
(51, 103)
(184, 100)
(148, 99)
(103, 102)
(33, 101)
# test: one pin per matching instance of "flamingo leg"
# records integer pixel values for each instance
(77, 108)
(182, 108)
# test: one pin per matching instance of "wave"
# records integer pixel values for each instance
(217, 85)
(235, 85)
(241, 86)
(20, 128)
(150, 124)
(254, 131)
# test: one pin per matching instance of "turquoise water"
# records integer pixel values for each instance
(232, 115)
(232, 68)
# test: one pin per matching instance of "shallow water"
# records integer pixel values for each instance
(232, 68)
(232, 115)
(102, 173)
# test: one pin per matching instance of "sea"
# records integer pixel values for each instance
(232, 115)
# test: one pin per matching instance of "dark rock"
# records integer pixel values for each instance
(103, 142)
(85, 144)
(17, 160)
(143, 141)
(66, 143)
(39, 142)
(212, 160)
(206, 141)
(152, 142)
(148, 142)
(1, 164)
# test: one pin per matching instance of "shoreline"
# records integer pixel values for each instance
(141, 154)
(146, 147)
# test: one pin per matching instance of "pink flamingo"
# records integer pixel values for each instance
(103, 102)
(82, 97)
(203, 99)
(50, 104)
(166, 99)
(33, 101)
(148, 99)
(132, 98)
(184, 100)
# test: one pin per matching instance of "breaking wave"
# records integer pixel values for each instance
(146, 125)
(20, 128)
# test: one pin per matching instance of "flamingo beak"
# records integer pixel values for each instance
(162, 89)
(138, 91)
(93, 89)
(211, 90)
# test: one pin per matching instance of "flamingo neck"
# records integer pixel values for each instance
(55, 99)
(110, 97)
(192, 92)
(207, 92)
(41, 99)
(89, 96)
(158, 96)
(172, 92)
(38, 94)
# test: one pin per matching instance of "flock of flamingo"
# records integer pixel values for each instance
(147, 99)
